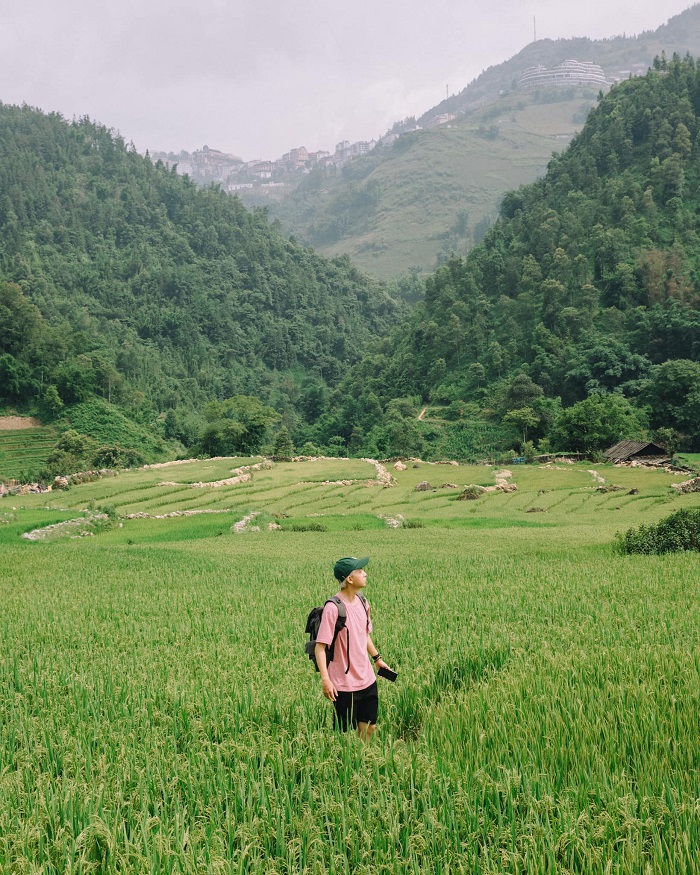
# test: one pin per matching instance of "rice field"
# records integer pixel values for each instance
(158, 715)
(24, 450)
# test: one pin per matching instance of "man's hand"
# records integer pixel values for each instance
(329, 691)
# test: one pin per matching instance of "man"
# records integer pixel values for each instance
(348, 680)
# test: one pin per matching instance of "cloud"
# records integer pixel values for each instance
(256, 77)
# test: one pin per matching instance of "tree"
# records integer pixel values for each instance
(283, 448)
(674, 395)
(522, 391)
(523, 418)
(597, 422)
(51, 403)
(171, 425)
(15, 379)
(21, 322)
(238, 425)
(668, 439)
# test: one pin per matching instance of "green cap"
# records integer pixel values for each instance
(347, 565)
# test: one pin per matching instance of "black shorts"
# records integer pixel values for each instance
(358, 707)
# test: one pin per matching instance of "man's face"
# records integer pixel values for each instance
(358, 577)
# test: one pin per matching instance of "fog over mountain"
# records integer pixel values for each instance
(256, 78)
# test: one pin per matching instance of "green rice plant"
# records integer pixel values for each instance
(159, 715)
(413, 524)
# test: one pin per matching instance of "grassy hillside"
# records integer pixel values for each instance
(159, 712)
(417, 188)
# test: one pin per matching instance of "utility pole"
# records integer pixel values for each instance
(534, 26)
(447, 92)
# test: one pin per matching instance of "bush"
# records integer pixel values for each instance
(117, 457)
(308, 527)
(310, 449)
(679, 531)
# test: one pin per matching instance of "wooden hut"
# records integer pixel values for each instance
(635, 451)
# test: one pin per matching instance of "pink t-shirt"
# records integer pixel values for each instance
(359, 626)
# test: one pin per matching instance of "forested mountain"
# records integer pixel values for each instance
(121, 280)
(576, 322)
(433, 191)
(585, 294)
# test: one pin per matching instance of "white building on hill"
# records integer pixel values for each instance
(564, 74)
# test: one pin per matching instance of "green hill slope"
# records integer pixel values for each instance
(586, 293)
(434, 191)
(121, 280)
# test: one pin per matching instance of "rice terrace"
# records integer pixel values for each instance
(159, 714)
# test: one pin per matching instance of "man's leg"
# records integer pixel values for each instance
(367, 707)
(343, 711)
(365, 730)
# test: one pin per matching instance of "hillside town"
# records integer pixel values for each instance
(206, 165)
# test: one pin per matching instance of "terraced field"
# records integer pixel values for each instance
(24, 451)
(346, 494)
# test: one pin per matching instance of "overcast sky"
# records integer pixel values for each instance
(258, 77)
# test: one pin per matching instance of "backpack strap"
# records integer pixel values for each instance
(365, 605)
(340, 622)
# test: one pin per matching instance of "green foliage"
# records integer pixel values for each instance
(51, 404)
(73, 452)
(108, 426)
(120, 280)
(679, 531)
(585, 288)
(413, 524)
(596, 423)
(307, 527)
(673, 392)
(309, 449)
(236, 426)
(523, 418)
(117, 457)
(283, 448)
(668, 439)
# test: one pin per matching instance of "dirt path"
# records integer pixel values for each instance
(12, 423)
(422, 414)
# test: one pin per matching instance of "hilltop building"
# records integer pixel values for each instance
(564, 74)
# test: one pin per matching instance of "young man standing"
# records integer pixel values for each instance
(348, 680)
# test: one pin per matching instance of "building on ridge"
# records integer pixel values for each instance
(562, 75)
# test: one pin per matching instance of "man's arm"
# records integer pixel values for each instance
(372, 652)
(329, 691)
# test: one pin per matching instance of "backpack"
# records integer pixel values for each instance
(313, 624)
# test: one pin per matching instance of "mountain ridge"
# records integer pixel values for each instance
(345, 211)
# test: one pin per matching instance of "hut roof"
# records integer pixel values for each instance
(629, 449)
